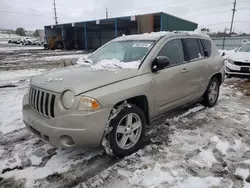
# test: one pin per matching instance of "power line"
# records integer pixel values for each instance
(21, 13)
(232, 22)
(54, 6)
(243, 8)
(224, 23)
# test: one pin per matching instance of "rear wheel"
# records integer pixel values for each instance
(128, 130)
(212, 93)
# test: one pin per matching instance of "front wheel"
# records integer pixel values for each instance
(212, 93)
(128, 131)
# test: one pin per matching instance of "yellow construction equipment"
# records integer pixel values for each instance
(54, 43)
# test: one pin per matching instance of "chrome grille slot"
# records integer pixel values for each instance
(242, 64)
(42, 102)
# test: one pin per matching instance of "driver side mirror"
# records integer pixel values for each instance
(160, 63)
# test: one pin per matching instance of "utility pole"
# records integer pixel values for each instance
(55, 13)
(234, 10)
(107, 13)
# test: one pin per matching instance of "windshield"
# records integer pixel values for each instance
(123, 52)
(245, 48)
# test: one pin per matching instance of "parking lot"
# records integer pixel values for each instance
(196, 147)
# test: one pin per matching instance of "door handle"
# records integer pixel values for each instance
(185, 70)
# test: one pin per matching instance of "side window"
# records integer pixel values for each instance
(201, 47)
(193, 49)
(174, 51)
(207, 45)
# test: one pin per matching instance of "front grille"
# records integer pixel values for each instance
(42, 102)
(242, 64)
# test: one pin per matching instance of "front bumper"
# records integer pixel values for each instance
(231, 69)
(73, 130)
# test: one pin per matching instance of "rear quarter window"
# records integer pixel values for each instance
(207, 46)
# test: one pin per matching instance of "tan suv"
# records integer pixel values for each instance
(121, 88)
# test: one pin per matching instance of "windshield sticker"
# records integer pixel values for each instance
(141, 45)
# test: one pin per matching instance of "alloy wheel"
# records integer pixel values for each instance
(128, 131)
(213, 92)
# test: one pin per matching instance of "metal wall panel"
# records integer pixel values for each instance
(230, 43)
(171, 23)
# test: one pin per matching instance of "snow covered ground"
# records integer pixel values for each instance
(20, 47)
(36, 58)
(196, 148)
(6, 37)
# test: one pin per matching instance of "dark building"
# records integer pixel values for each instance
(89, 35)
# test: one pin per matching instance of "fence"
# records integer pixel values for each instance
(230, 43)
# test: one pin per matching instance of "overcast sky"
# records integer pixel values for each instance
(33, 14)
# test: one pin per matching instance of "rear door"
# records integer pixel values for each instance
(197, 66)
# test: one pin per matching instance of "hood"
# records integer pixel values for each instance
(241, 57)
(81, 79)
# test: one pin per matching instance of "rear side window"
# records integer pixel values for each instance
(207, 46)
(201, 48)
(174, 51)
(193, 49)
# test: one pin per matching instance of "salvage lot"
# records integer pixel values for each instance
(197, 147)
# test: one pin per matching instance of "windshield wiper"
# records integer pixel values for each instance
(117, 66)
(87, 61)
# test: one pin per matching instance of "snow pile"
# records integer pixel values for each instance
(190, 111)
(156, 35)
(204, 159)
(195, 182)
(151, 177)
(107, 64)
(222, 146)
(242, 173)
(146, 35)
(82, 60)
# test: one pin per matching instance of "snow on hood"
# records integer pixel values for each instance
(81, 79)
(240, 56)
(109, 64)
(114, 64)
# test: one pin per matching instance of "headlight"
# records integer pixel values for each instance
(68, 99)
(87, 103)
(230, 61)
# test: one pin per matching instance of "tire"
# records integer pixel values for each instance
(211, 99)
(59, 45)
(120, 143)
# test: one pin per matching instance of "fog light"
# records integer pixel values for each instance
(67, 141)
(228, 69)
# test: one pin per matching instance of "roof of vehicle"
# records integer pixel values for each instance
(158, 35)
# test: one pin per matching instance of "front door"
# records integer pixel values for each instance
(171, 84)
